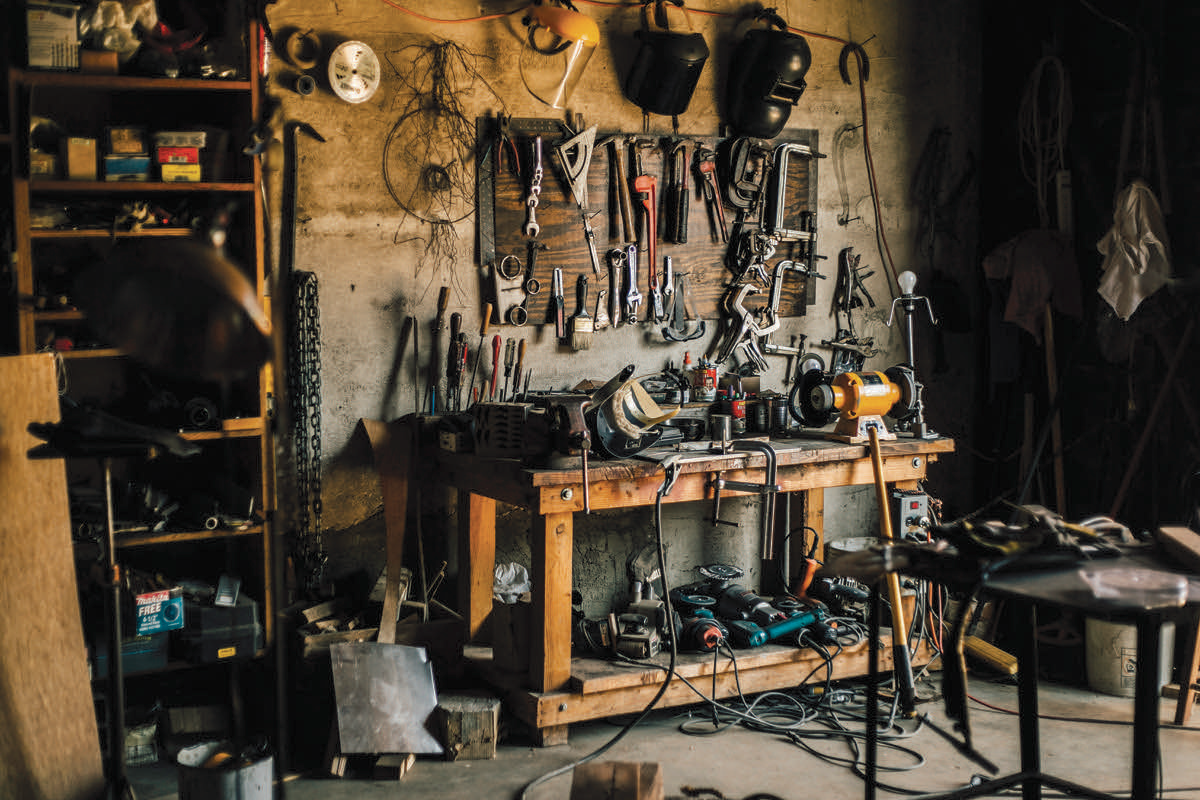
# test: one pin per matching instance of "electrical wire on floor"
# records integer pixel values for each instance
(645, 712)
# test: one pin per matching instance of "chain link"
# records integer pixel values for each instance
(304, 389)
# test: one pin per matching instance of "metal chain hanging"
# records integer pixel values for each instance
(304, 390)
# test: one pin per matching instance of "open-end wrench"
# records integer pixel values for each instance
(535, 190)
(705, 161)
(633, 298)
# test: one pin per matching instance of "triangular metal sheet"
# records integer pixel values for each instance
(385, 696)
(575, 154)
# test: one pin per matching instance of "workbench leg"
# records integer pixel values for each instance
(477, 558)
(550, 659)
(551, 735)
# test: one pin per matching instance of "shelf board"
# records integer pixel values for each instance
(97, 187)
(95, 352)
(243, 427)
(172, 666)
(63, 315)
(115, 83)
(127, 540)
(99, 233)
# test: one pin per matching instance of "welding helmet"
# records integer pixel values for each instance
(629, 420)
(668, 62)
(766, 78)
(559, 42)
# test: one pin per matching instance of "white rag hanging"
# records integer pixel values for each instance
(1137, 253)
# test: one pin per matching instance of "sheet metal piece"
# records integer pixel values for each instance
(385, 694)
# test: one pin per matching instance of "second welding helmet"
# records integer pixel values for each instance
(668, 62)
(559, 42)
(767, 78)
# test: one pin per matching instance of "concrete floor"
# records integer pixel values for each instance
(738, 762)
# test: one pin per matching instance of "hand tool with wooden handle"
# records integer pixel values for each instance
(453, 373)
(495, 365)
(616, 155)
(520, 368)
(510, 355)
(435, 356)
(582, 325)
(483, 329)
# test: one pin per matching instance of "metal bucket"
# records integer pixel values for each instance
(233, 779)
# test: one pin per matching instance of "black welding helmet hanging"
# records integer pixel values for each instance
(668, 62)
(766, 78)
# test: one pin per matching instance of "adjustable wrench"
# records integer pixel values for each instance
(705, 161)
(633, 298)
(535, 189)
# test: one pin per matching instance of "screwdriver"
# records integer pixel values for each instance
(510, 354)
(483, 329)
(453, 374)
(520, 369)
(495, 365)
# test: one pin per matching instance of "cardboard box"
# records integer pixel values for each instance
(180, 138)
(80, 153)
(42, 165)
(159, 611)
(52, 34)
(127, 140)
(127, 168)
(99, 62)
(180, 173)
(178, 155)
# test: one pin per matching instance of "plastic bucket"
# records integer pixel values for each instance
(1112, 656)
(232, 779)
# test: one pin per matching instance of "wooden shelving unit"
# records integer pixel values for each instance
(85, 105)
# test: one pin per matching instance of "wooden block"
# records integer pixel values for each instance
(467, 726)
(393, 766)
(617, 780)
(324, 610)
(316, 645)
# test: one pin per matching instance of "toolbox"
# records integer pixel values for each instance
(233, 643)
(138, 654)
(220, 633)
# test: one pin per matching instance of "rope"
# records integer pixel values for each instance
(1043, 120)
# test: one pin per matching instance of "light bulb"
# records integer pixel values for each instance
(907, 281)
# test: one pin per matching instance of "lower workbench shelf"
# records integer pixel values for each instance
(600, 688)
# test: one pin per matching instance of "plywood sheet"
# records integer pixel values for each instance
(49, 743)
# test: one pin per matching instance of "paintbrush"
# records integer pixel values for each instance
(582, 324)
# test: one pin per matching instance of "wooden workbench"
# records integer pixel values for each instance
(558, 691)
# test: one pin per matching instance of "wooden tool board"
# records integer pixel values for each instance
(702, 257)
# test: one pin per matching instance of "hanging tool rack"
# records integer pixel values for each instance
(506, 164)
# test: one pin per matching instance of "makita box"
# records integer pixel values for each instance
(159, 611)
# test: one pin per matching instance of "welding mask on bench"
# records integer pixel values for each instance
(767, 78)
(629, 421)
(559, 42)
(668, 62)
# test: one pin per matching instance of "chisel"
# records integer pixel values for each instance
(520, 369)
(495, 365)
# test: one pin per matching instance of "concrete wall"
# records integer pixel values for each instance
(376, 265)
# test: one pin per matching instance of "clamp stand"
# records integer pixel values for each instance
(910, 412)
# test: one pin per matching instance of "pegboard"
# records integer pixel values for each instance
(702, 257)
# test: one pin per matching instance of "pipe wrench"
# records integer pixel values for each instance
(705, 161)
(646, 188)
(633, 298)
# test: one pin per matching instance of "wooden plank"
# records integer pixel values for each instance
(392, 446)
(550, 659)
(477, 557)
(49, 742)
